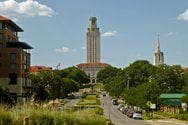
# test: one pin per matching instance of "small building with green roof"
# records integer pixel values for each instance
(171, 102)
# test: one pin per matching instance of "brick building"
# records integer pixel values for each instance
(14, 61)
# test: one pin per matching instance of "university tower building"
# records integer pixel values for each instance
(93, 65)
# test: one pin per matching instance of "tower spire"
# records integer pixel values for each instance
(158, 56)
(158, 45)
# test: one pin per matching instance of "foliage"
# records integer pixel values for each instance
(40, 94)
(75, 74)
(46, 116)
(5, 96)
(141, 82)
(89, 99)
(51, 84)
(106, 74)
(139, 72)
(185, 88)
(169, 78)
(5, 118)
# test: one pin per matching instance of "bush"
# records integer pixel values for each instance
(5, 118)
(47, 116)
(41, 118)
(182, 116)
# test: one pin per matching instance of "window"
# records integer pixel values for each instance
(13, 57)
(13, 66)
(13, 78)
(1, 36)
(1, 25)
(1, 46)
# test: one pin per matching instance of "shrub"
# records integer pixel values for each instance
(5, 118)
(41, 118)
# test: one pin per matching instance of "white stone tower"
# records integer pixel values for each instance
(93, 42)
(158, 56)
(93, 65)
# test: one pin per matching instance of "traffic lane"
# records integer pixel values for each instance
(111, 112)
(73, 101)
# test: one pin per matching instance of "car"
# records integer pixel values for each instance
(103, 94)
(120, 106)
(123, 110)
(114, 101)
(137, 115)
(130, 113)
(70, 96)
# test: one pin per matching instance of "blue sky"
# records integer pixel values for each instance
(129, 29)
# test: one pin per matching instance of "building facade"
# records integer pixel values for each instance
(93, 65)
(158, 56)
(14, 61)
(93, 42)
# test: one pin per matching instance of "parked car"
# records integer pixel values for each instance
(123, 110)
(70, 96)
(130, 113)
(114, 101)
(137, 115)
(120, 106)
(103, 94)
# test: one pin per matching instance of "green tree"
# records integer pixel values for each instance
(75, 74)
(169, 78)
(185, 88)
(106, 75)
(139, 72)
(70, 86)
(5, 97)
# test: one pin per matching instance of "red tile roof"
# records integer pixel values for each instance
(35, 69)
(3, 18)
(102, 65)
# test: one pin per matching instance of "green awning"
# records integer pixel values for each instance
(172, 96)
(172, 102)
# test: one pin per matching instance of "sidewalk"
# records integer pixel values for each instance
(167, 120)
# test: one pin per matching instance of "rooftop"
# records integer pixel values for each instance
(172, 96)
(9, 21)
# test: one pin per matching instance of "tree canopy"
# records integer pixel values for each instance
(57, 83)
(141, 82)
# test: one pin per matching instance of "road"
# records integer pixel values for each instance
(111, 112)
(73, 102)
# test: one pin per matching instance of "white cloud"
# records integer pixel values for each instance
(14, 9)
(172, 33)
(183, 16)
(63, 50)
(83, 48)
(108, 34)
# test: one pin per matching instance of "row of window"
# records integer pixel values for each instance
(5, 26)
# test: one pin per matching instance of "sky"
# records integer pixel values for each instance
(56, 29)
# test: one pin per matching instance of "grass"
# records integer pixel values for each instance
(47, 116)
(89, 99)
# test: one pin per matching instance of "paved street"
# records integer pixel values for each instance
(111, 112)
(73, 102)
